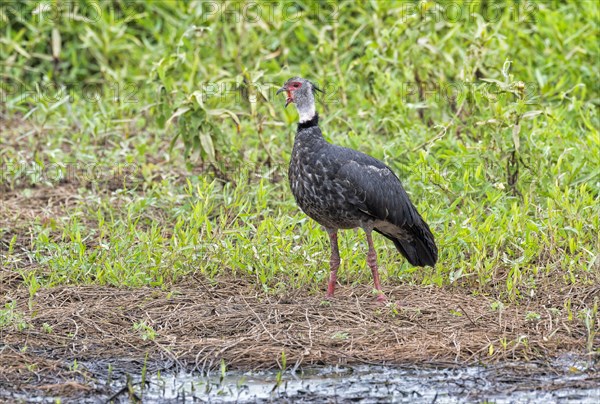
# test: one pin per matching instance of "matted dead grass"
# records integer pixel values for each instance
(197, 324)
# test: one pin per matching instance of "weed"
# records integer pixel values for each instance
(282, 368)
(147, 332)
(223, 372)
(340, 336)
(589, 316)
(9, 317)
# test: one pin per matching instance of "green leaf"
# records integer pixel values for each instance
(179, 112)
(207, 146)
(515, 135)
(219, 112)
(56, 43)
(197, 95)
(531, 114)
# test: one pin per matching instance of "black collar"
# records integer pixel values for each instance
(314, 121)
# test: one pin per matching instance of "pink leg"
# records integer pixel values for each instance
(372, 262)
(334, 262)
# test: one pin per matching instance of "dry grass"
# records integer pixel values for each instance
(29, 372)
(198, 324)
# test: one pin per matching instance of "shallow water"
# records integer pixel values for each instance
(377, 384)
(567, 380)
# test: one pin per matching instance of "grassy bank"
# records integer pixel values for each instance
(142, 145)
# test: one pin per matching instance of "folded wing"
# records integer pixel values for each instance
(375, 190)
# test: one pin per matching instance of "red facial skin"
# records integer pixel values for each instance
(294, 85)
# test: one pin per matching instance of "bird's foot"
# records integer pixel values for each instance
(381, 300)
(380, 295)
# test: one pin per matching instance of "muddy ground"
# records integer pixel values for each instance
(60, 340)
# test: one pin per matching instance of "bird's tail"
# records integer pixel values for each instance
(420, 250)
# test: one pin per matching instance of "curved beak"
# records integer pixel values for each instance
(289, 98)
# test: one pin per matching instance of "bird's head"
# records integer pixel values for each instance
(302, 93)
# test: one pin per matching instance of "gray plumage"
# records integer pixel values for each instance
(341, 188)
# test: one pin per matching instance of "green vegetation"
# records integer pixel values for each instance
(10, 318)
(142, 143)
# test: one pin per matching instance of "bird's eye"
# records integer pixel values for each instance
(296, 85)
